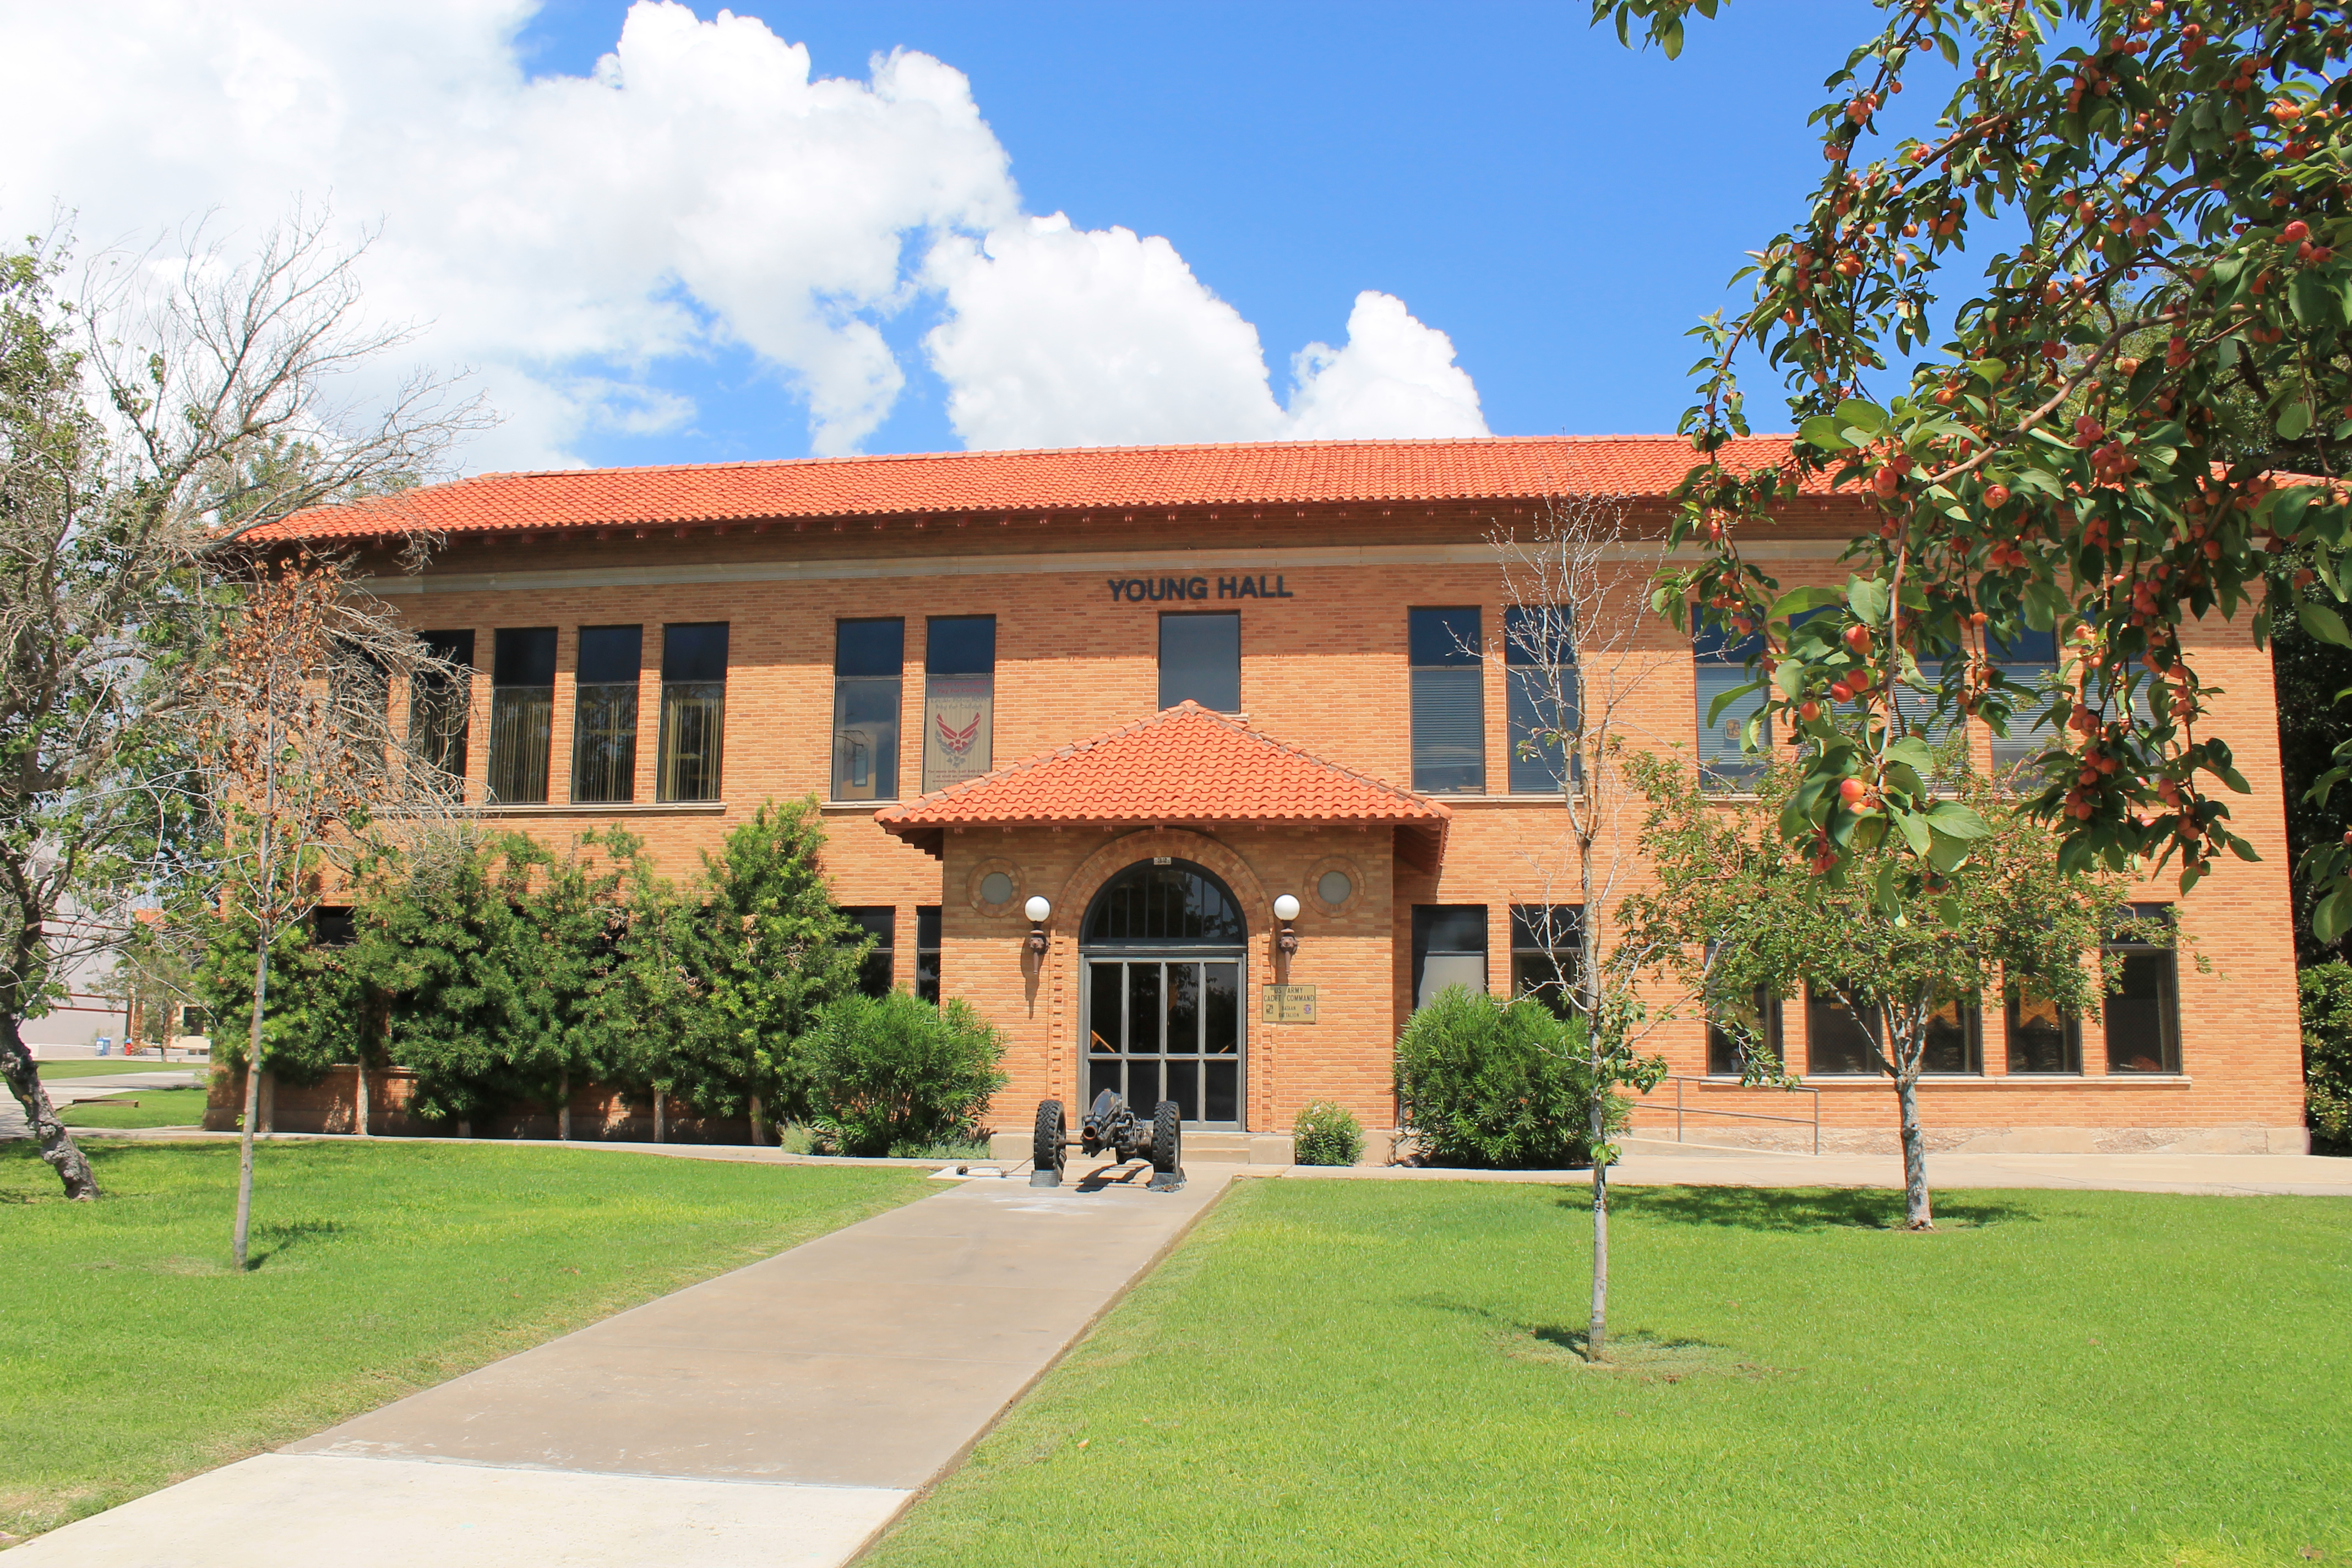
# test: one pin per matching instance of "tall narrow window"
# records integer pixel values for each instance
(927, 953)
(1449, 701)
(1449, 948)
(879, 922)
(1547, 953)
(693, 711)
(958, 699)
(438, 698)
(2028, 662)
(1740, 1027)
(2142, 1019)
(1539, 673)
(2039, 1038)
(522, 712)
(604, 719)
(870, 660)
(1201, 661)
(1721, 667)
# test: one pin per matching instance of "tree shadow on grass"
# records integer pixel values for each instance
(1801, 1209)
(274, 1239)
(1637, 1352)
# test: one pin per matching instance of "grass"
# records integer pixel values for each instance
(131, 1355)
(1337, 1372)
(156, 1107)
(107, 1066)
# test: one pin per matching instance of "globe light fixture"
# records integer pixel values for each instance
(1285, 910)
(1037, 909)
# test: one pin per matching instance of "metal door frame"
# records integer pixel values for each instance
(1163, 953)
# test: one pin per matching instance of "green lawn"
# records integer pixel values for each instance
(156, 1107)
(107, 1066)
(131, 1355)
(1383, 1373)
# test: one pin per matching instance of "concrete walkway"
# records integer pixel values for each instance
(63, 1090)
(777, 1416)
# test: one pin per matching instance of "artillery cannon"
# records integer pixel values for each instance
(1112, 1124)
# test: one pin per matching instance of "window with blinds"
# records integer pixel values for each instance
(522, 713)
(438, 699)
(1540, 677)
(1449, 701)
(870, 660)
(2029, 661)
(1721, 667)
(693, 711)
(605, 714)
(1449, 948)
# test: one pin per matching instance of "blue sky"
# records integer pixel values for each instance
(716, 249)
(1562, 208)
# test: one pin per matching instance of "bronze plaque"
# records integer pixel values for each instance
(1289, 1003)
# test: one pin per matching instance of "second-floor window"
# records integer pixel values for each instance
(693, 711)
(1201, 661)
(959, 699)
(437, 703)
(2026, 662)
(870, 660)
(522, 713)
(1449, 701)
(1721, 668)
(1540, 675)
(604, 716)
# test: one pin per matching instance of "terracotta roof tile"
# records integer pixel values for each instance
(1068, 480)
(1186, 765)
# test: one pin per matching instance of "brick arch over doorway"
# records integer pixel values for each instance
(1076, 895)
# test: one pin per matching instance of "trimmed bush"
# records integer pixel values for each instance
(1500, 1086)
(2327, 1053)
(897, 1075)
(1325, 1135)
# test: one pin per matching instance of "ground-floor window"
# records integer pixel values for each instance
(879, 922)
(2143, 1019)
(1740, 1026)
(2041, 1038)
(1547, 953)
(1836, 1042)
(1449, 948)
(927, 953)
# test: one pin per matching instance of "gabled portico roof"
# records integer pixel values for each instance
(1184, 765)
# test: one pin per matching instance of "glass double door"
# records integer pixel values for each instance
(1165, 1027)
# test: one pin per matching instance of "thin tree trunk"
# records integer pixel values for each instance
(759, 1137)
(661, 1125)
(564, 1106)
(1596, 1332)
(359, 1106)
(1916, 1213)
(252, 1102)
(58, 1147)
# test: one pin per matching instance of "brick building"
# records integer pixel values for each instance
(979, 663)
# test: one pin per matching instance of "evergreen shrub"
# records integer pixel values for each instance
(1326, 1134)
(2328, 1054)
(1495, 1084)
(896, 1075)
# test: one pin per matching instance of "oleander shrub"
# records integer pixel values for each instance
(895, 1075)
(1326, 1134)
(2328, 1054)
(1492, 1085)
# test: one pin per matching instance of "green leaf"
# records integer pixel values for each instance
(1822, 430)
(1797, 601)
(2293, 420)
(1868, 599)
(1714, 709)
(1944, 852)
(1915, 830)
(1953, 820)
(2324, 623)
(1861, 416)
(2331, 915)
(1670, 36)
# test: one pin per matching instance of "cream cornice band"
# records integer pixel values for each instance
(1093, 562)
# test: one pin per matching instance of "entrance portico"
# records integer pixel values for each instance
(1160, 848)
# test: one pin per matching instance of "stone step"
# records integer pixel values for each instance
(1210, 1148)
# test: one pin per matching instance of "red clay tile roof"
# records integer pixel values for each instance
(1183, 766)
(946, 484)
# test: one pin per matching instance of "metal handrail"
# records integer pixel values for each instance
(1678, 1080)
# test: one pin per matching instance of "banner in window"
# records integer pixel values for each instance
(959, 719)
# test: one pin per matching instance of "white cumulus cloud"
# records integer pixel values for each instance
(570, 238)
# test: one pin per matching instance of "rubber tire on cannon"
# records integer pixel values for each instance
(1046, 1151)
(1167, 1147)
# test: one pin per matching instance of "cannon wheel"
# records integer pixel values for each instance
(1047, 1152)
(1167, 1138)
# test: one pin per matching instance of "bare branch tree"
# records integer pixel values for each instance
(147, 428)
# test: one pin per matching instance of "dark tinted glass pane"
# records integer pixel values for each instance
(1143, 1086)
(1183, 1009)
(694, 652)
(1177, 903)
(874, 977)
(1107, 999)
(693, 726)
(2039, 1039)
(1835, 1042)
(1449, 730)
(1541, 712)
(866, 737)
(1709, 645)
(1533, 974)
(1450, 928)
(1558, 927)
(2139, 1016)
(2028, 647)
(1951, 1042)
(1537, 635)
(927, 926)
(1728, 1040)
(334, 926)
(1221, 1100)
(1184, 1087)
(1143, 1008)
(523, 656)
(960, 644)
(604, 744)
(1102, 1074)
(927, 976)
(869, 648)
(1443, 637)
(451, 647)
(1222, 1009)
(1201, 661)
(522, 726)
(610, 655)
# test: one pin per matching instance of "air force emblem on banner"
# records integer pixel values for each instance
(957, 741)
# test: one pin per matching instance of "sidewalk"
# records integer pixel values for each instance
(61, 1091)
(779, 1416)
